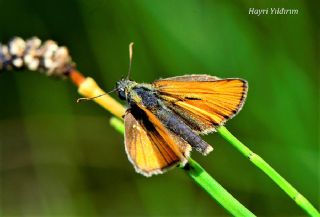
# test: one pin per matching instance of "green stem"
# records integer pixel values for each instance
(117, 124)
(204, 180)
(215, 190)
(267, 169)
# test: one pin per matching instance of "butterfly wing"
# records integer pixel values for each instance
(203, 101)
(150, 147)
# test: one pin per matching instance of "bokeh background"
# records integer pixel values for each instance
(60, 158)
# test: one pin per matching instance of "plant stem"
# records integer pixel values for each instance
(117, 124)
(88, 88)
(205, 181)
(272, 173)
(215, 190)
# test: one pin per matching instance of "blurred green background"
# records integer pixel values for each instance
(60, 158)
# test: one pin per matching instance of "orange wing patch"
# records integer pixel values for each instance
(151, 148)
(203, 101)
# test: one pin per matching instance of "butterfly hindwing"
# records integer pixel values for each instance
(152, 148)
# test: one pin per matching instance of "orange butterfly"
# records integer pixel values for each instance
(165, 118)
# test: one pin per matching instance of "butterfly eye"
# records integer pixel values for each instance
(121, 94)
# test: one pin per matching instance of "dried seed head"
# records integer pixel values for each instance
(33, 55)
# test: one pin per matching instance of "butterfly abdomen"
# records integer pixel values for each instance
(176, 125)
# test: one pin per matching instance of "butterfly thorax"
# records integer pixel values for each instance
(135, 93)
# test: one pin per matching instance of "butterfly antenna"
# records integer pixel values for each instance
(91, 98)
(130, 58)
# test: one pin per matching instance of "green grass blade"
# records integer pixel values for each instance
(215, 190)
(272, 173)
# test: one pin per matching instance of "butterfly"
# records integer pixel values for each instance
(165, 119)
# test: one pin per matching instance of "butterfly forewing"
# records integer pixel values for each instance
(151, 148)
(204, 102)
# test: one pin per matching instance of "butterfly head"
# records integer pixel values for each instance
(124, 87)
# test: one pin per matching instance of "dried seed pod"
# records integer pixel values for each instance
(31, 56)
(17, 46)
(46, 57)
(16, 50)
